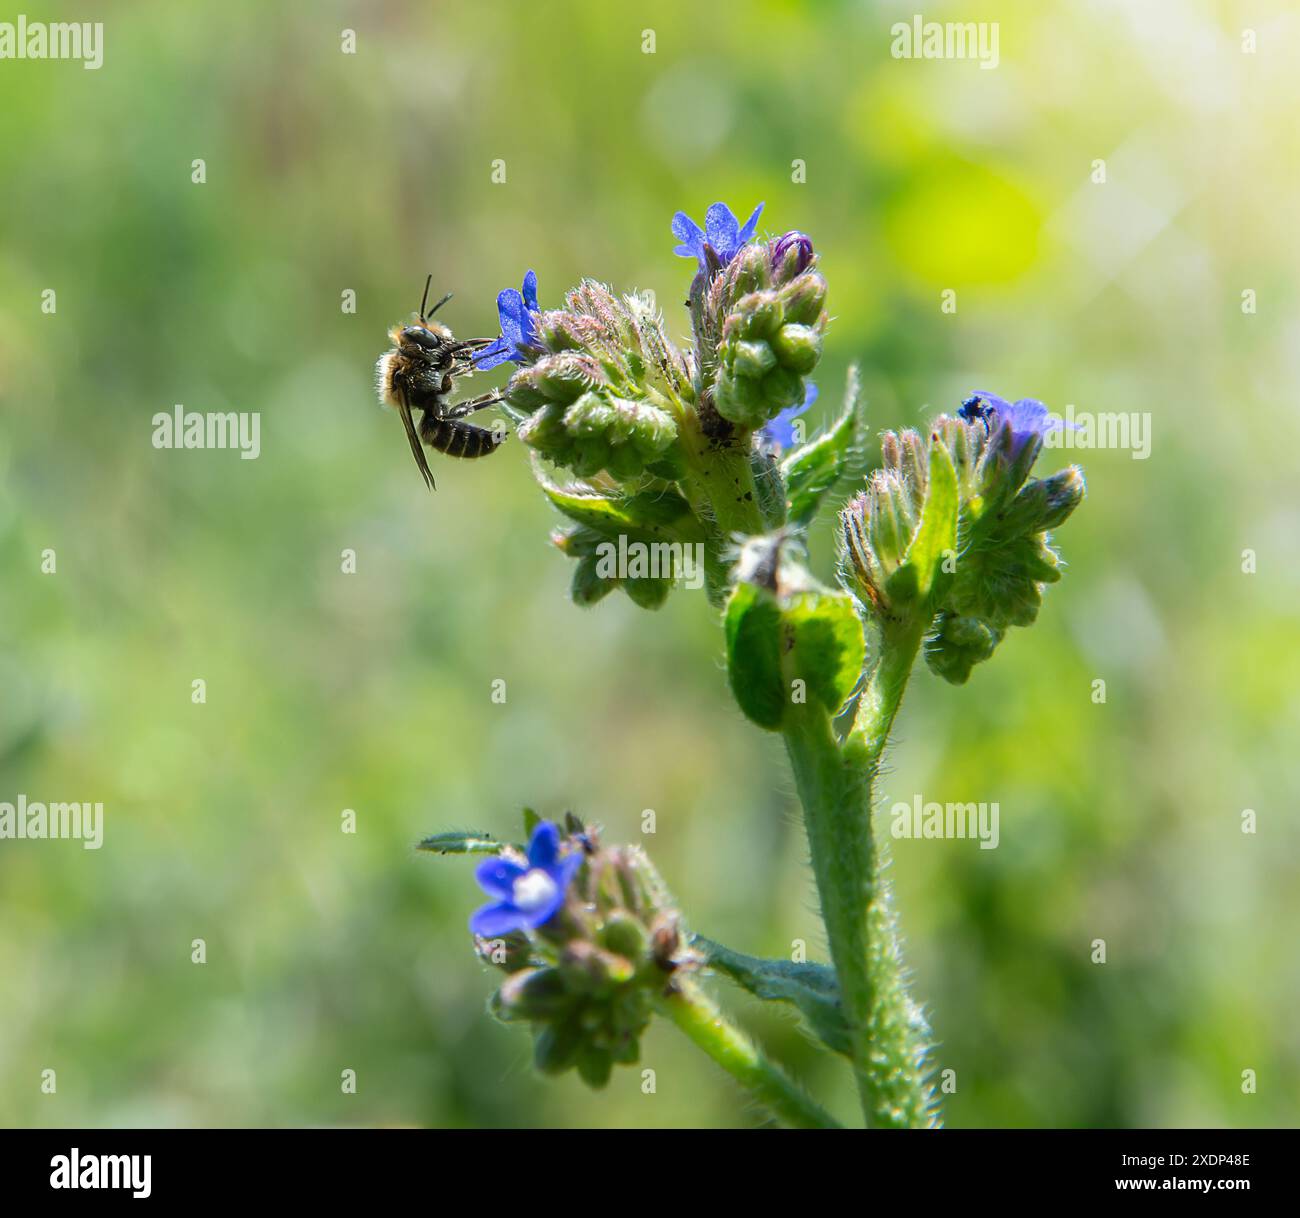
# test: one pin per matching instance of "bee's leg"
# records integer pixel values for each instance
(461, 409)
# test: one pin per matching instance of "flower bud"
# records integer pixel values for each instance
(750, 272)
(624, 935)
(566, 376)
(510, 953)
(594, 1066)
(753, 359)
(792, 254)
(958, 644)
(588, 968)
(804, 298)
(878, 525)
(589, 586)
(601, 431)
(545, 431)
(798, 347)
(557, 1046)
(533, 994)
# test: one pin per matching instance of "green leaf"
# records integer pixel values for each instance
(812, 470)
(807, 634)
(644, 517)
(828, 649)
(810, 987)
(461, 843)
(921, 572)
(769, 488)
(753, 628)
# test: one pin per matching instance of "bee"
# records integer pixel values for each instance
(420, 373)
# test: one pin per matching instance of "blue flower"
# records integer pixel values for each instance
(721, 230)
(779, 433)
(1027, 417)
(516, 310)
(528, 895)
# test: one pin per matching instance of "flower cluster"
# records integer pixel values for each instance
(990, 575)
(601, 391)
(762, 318)
(586, 936)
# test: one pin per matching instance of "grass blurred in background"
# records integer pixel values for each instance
(328, 172)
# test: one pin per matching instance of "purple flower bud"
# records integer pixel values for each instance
(793, 240)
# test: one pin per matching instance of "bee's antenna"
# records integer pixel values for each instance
(439, 305)
(424, 300)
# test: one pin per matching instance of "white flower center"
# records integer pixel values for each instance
(534, 889)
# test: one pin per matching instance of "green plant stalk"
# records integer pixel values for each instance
(835, 785)
(704, 1024)
(718, 482)
(719, 475)
(883, 695)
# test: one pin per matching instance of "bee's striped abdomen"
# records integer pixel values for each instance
(458, 439)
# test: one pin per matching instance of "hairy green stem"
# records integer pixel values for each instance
(885, 686)
(720, 475)
(699, 1017)
(719, 485)
(835, 784)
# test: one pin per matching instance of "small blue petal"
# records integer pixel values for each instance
(748, 231)
(497, 877)
(513, 314)
(723, 230)
(685, 229)
(497, 353)
(544, 848)
(567, 869)
(1028, 417)
(690, 234)
(530, 291)
(491, 921)
(780, 431)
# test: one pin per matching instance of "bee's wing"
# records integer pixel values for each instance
(413, 439)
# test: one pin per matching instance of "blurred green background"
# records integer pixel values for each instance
(328, 171)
